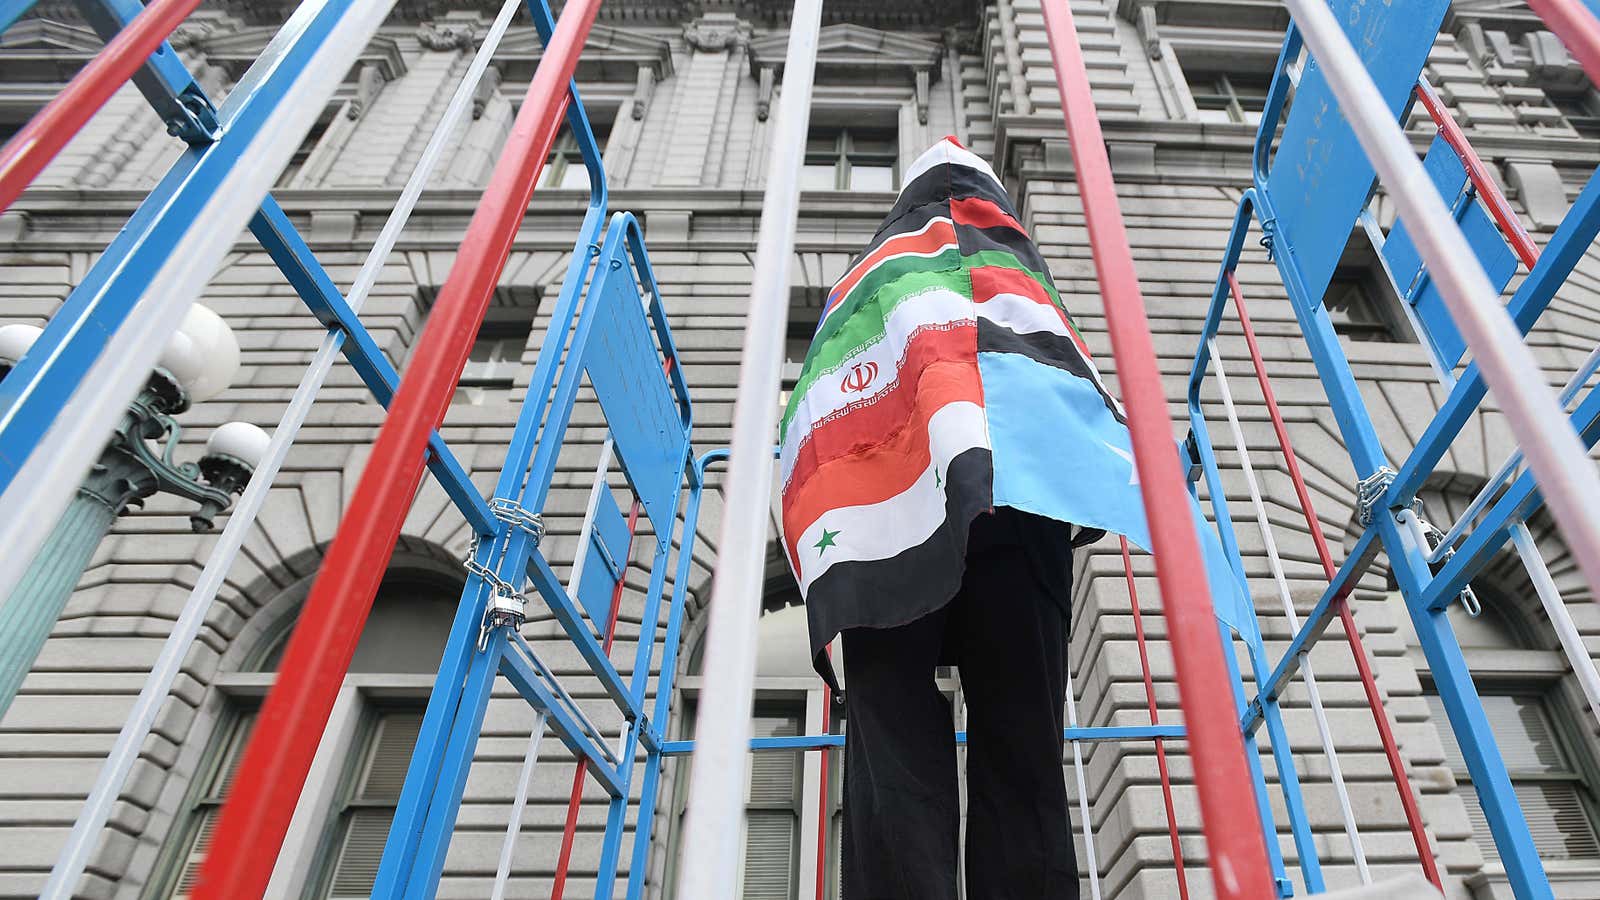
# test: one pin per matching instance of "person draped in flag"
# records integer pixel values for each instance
(947, 444)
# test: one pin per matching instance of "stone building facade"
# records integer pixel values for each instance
(682, 95)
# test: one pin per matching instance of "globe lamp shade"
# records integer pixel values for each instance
(15, 340)
(203, 355)
(241, 441)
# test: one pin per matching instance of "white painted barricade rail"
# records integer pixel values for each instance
(712, 832)
(1275, 563)
(85, 834)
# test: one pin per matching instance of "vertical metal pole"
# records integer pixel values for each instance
(1352, 634)
(1233, 835)
(639, 871)
(722, 741)
(519, 803)
(1083, 793)
(1155, 719)
(581, 771)
(1275, 564)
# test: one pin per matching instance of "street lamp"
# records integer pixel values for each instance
(198, 362)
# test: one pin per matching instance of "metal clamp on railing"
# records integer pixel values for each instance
(1370, 492)
(507, 603)
(1432, 539)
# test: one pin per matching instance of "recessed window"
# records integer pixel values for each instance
(496, 357)
(1228, 96)
(1555, 797)
(565, 169)
(851, 159)
(772, 812)
(367, 803)
(1356, 305)
(302, 153)
(403, 639)
(1361, 300)
(201, 821)
(1581, 110)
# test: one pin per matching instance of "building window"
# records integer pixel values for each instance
(1362, 301)
(771, 867)
(1556, 799)
(1581, 110)
(496, 358)
(367, 802)
(1535, 724)
(565, 169)
(1355, 302)
(302, 153)
(396, 657)
(851, 159)
(1233, 96)
(200, 817)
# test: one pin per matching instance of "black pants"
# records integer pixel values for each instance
(1008, 635)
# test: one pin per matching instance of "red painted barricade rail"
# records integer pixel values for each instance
(1499, 208)
(1369, 684)
(290, 724)
(1227, 795)
(31, 149)
(1155, 719)
(580, 772)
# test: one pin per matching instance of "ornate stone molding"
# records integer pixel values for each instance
(441, 36)
(369, 84)
(716, 32)
(853, 54)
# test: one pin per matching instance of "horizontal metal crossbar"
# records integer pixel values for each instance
(531, 681)
(1355, 565)
(804, 742)
(271, 226)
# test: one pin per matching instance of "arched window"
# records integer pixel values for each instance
(344, 812)
(1536, 724)
(779, 853)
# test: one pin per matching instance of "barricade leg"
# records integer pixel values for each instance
(1294, 800)
(1258, 776)
(639, 868)
(405, 830)
(1410, 568)
(439, 823)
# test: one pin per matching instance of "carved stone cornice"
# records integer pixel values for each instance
(441, 36)
(610, 55)
(853, 54)
(715, 32)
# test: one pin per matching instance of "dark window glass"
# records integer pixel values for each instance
(1582, 111)
(1356, 306)
(851, 159)
(1229, 96)
(1557, 800)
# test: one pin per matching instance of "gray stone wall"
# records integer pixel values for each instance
(683, 103)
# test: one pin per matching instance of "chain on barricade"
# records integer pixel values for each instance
(507, 604)
(1370, 491)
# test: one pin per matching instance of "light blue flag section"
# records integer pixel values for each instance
(1059, 452)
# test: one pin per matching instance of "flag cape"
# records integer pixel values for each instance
(946, 378)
